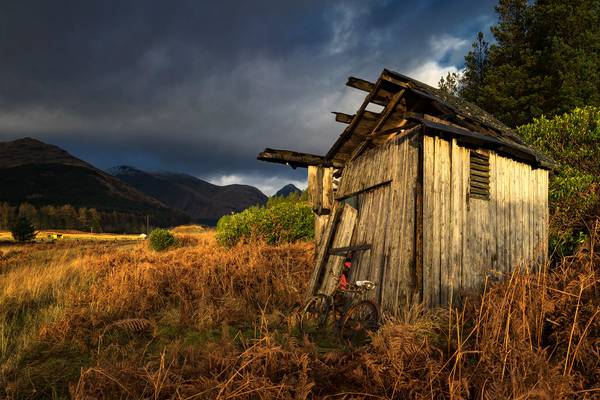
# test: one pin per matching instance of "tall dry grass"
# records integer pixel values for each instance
(203, 322)
(111, 303)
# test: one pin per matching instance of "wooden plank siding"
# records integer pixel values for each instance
(463, 239)
(327, 191)
(384, 181)
(374, 167)
(320, 225)
(320, 189)
(466, 239)
(315, 187)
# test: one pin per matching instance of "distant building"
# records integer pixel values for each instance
(430, 195)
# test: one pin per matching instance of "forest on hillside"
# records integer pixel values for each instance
(69, 217)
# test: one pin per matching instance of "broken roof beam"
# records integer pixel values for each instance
(347, 118)
(378, 95)
(360, 84)
(296, 159)
(342, 117)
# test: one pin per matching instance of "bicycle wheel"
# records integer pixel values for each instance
(315, 314)
(356, 323)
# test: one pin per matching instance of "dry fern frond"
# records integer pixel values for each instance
(132, 325)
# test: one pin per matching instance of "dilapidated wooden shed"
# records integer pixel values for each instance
(431, 195)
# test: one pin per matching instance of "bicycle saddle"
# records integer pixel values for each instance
(366, 284)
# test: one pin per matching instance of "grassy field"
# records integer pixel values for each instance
(49, 235)
(111, 319)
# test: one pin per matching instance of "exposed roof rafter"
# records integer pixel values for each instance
(408, 103)
(389, 109)
(360, 84)
(296, 159)
(342, 117)
(347, 118)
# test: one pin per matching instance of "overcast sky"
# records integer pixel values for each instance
(202, 87)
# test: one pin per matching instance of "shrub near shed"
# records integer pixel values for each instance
(571, 140)
(279, 222)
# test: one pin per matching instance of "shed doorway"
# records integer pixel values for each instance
(373, 214)
(364, 223)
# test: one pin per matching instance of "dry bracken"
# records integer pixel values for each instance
(222, 324)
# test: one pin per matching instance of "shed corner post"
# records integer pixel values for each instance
(418, 251)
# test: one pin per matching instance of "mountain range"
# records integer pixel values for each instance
(43, 174)
(38, 173)
(202, 201)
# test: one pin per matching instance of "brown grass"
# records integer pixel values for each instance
(189, 229)
(203, 322)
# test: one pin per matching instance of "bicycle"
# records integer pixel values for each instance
(351, 320)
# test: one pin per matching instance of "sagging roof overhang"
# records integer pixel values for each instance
(407, 103)
(519, 152)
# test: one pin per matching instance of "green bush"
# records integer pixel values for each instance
(23, 230)
(572, 141)
(291, 198)
(282, 221)
(161, 239)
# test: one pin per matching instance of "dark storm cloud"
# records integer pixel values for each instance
(203, 86)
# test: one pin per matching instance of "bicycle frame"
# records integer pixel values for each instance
(330, 306)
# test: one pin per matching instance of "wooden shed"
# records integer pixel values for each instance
(430, 195)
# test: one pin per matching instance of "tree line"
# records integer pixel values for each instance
(544, 59)
(69, 217)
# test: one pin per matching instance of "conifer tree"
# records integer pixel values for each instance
(545, 60)
(476, 66)
(451, 83)
(23, 230)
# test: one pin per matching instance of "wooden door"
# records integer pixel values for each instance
(371, 227)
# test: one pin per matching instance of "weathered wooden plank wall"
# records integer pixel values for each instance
(327, 193)
(374, 215)
(373, 167)
(320, 196)
(320, 189)
(320, 225)
(398, 280)
(465, 239)
(315, 186)
(384, 181)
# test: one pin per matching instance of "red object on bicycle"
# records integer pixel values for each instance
(345, 272)
(343, 282)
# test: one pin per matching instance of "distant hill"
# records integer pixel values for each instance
(42, 174)
(201, 200)
(287, 190)
(28, 151)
